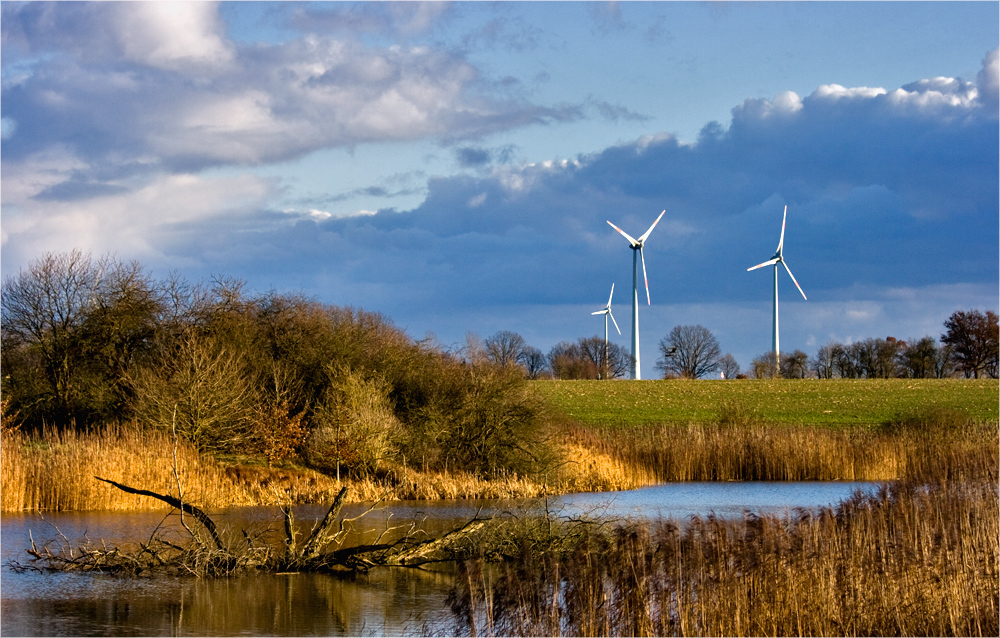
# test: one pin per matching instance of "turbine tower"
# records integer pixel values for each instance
(775, 260)
(636, 245)
(606, 311)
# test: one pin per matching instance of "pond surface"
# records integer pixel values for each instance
(390, 601)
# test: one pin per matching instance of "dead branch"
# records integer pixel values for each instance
(318, 537)
(202, 517)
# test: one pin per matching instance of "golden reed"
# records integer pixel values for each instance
(917, 558)
(754, 451)
(55, 470)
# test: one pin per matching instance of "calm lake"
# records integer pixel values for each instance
(389, 601)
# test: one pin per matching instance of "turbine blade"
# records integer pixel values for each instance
(646, 234)
(781, 241)
(614, 322)
(611, 295)
(644, 277)
(793, 279)
(766, 263)
(626, 235)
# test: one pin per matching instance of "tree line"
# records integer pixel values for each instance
(968, 348)
(88, 342)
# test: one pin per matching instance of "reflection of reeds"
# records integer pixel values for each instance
(913, 559)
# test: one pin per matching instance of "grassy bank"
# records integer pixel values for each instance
(831, 402)
(55, 471)
(617, 435)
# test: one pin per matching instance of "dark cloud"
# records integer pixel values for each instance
(617, 112)
(469, 156)
(889, 189)
(477, 157)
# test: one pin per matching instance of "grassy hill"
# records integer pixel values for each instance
(838, 402)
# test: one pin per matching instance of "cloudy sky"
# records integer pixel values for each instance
(453, 165)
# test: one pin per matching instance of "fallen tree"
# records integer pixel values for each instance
(225, 553)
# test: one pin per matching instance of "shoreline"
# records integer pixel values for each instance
(54, 471)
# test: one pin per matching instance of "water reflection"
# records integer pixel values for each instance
(385, 602)
(392, 601)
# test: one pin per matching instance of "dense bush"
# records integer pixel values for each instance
(87, 343)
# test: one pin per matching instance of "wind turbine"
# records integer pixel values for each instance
(606, 311)
(636, 245)
(775, 260)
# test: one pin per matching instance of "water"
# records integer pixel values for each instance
(392, 601)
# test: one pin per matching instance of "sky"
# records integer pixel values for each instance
(453, 165)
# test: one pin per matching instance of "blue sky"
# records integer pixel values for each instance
(453, 165)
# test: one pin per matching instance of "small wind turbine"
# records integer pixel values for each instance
(606, 311)
(775, 260)
(636, 245)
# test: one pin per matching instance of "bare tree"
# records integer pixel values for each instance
(690, 351)
(762, 366)
(729, 367)
(822, 364)
(44, 308)
(611, 362)
(975, 339)
(567, 362)
(534, 362)
(918, 360)
(585, 359)
(505, 348)
(794, 365)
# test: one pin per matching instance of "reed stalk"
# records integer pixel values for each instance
(755, 451)
(916, 558)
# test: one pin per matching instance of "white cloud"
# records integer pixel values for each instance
(135, 222)
(190, 99)
(988, 80)
(784, 104)
(837, 92)
(172, 35)
(477, 201)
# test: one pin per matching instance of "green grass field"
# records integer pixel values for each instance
(840, 402)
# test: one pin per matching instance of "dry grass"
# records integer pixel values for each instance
(55, 471)
(740, 447)
(914, 559)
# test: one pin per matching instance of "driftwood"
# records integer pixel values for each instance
(321, 551)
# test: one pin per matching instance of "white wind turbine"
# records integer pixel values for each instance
(606, 311)
(636, 245)
(775, 260)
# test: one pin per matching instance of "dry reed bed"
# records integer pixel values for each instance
(55, 471)
(749, 450)
(914, 559)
